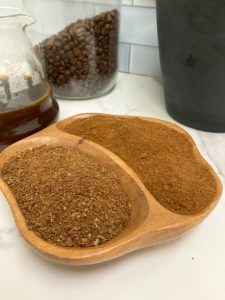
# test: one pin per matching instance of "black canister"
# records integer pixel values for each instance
(192, 51)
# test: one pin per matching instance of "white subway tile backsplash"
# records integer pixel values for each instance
(138, 51)
(127, 2)
(138, 25)
(124, 57)
(150, 3)
(144, 60)
(11, 3)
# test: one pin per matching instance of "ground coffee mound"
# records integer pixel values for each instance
(162, 158)
(66, 197)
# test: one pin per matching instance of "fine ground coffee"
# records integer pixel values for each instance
(66, 197)
(162, 158)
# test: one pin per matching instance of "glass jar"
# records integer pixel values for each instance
(77, 42)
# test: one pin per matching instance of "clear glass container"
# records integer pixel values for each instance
(77, 42)
(26, 103)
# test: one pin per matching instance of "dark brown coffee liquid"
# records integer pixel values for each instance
(29, 114)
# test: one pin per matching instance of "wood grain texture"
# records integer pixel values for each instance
(150, 222)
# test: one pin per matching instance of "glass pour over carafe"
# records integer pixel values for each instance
(26, 103)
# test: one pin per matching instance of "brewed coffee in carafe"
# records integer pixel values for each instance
(26, 103)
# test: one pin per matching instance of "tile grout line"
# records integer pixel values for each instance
(129, 57)
(141, 45)
(138, 6)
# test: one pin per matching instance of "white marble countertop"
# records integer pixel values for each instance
(192, 267)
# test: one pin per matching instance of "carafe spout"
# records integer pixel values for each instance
(9, 15)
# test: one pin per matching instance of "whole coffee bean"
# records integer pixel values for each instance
(66, 48)
(71, 45)
(67, 73)
(81, 60)
(61, 79)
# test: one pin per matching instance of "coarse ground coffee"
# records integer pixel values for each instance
(66, 197)
(161, 157)
(82, 59)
